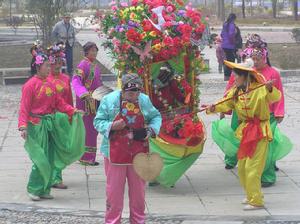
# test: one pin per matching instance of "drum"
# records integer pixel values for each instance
(100, 92)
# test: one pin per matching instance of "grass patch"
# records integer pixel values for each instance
(285, 56)
(19, 56)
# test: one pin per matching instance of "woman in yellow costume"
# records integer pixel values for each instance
(250, 98)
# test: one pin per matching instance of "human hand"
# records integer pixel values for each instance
(24, 134)
(222, 116)
(118, 125)
(279, 119)
(269, 85)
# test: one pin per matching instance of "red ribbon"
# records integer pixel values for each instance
(252, 134)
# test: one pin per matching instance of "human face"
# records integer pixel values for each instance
(131, 96)
(259, 62)
(92, 53)
(44, 69)
(239, 80)
(56, 67)
(67, 19)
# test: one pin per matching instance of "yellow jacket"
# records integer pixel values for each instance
(253, 104)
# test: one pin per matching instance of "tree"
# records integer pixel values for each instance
(295, 9)
(274, 8)
(45, 13)
(221, 9)
(243, 9)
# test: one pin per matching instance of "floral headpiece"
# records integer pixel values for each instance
(255, 46)
(40, 59)
(56, 52)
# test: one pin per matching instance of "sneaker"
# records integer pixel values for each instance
(228, 167)
(252, 207)
(266, 184)
(47, 196)
(34, 197)
(245, 201)
(60, 186)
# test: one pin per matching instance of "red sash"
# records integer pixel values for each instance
(252, 134)
(122, 147)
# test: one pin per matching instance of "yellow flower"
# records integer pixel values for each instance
(156, 47)
(132, 16)
(144, 35)
(59, 88)
(136, 111)
(139, 8)
(49, 91)
(132, 8)
(130, 106)
(152, 34)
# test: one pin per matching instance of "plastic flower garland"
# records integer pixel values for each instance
(149, 31)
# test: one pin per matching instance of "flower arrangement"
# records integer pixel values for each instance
(149, 31)
(184, 126)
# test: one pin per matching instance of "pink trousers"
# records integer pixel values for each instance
(116, 176)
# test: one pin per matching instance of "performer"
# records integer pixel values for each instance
(257, 50)
(126, 119)
(34, 51)
(62, 85)
(86, 79)
(254, 133)
(50, 138)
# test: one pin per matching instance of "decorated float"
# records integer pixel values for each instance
(159, 40)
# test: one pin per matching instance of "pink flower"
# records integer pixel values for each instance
(114, 8)
(124, 4)
(169, 9)
(39, 60)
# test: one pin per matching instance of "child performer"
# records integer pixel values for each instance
(61, 82)
(126, 119)
(50, 138)
(86, 79)
(250, 98)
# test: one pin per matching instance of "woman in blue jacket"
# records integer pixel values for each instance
(126, 119)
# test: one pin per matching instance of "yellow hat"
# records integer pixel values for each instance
(259, 77)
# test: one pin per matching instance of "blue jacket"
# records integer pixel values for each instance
(109, 109)
(228, 36)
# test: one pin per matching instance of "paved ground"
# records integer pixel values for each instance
(206, 194)
(207, 189)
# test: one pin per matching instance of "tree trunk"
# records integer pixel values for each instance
(296, 9)
(222, 10)
(243, 9)
(274, 7)
(251, 8)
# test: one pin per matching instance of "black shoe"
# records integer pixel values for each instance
(89, 164)
(153, 184)
(228, 167)
(266, 184)
(276, 168)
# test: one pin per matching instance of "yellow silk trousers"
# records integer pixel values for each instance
(250, 172)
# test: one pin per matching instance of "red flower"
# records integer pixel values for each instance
(168, 41)
(147, 26)
(133, 36)
(140, 71)
(186, 38)
(134, 2)
(177, 42)
(194, 141)
(156, 41)
(180, 2)
(185, 29)
(168, 24)
(200, 29)
(164, 54)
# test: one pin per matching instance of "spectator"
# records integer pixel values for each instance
(63, 31)
(217, 40)
(238, 44)
(229, 43)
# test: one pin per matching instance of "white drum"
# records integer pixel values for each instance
(101, 91)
